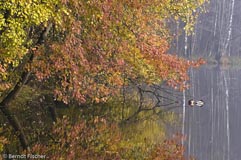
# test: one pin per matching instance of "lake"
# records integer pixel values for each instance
(213, 131)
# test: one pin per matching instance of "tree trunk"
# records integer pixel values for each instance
(14, 122)
(12, 119)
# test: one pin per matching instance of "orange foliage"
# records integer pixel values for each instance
(169, 150)
(96, 140)
(107, 42)
(100, 140)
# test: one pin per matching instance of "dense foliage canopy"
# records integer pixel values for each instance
(83, 52)
(88, 49)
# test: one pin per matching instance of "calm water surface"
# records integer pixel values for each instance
(213, 132)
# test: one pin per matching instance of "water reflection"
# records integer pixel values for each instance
(213, 131)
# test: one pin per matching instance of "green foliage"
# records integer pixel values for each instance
(17, 18)
(21, 23)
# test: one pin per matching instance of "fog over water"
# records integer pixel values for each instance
(213, 131)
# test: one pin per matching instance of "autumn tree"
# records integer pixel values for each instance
(84, 51)
(113, 40)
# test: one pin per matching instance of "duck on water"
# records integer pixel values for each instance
(193, 103)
